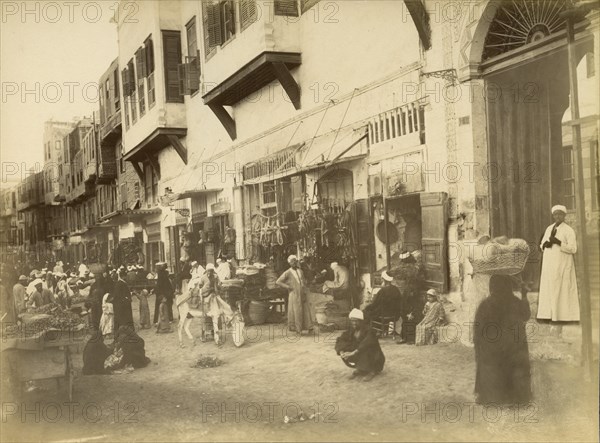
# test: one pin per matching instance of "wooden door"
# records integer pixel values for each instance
(434, 215)
(525, 107)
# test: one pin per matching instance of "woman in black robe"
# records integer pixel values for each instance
(164, 288)
(359, 348)
(121, 300)
(94, 355)
(133, 347)
(501, 352)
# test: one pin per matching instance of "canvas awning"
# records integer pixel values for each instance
(338, 146)
(168, 199)
(126, 215)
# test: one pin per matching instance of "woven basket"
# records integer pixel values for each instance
(507, 263)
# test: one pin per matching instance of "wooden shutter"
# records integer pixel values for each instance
(434, 216)
(248, 13)
(140, 63)
(215, 34)
(172, 56)
(125, 82)
(286, 7)
(182, 79)
(149, 55)
(365, 236)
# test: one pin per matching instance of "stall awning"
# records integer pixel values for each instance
(168, 199)
(118, 217)
(335, 147)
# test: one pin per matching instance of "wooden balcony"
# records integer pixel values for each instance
(110, 132)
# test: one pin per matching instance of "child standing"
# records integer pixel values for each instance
(144, 309)
(164, 325)
(107, 320)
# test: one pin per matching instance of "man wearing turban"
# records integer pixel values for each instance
(558, 297)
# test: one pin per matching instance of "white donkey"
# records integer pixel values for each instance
(213, 307)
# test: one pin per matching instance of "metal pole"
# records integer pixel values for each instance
(585, 303)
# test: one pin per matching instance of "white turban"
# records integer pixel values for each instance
(356, 313)
(210, 266)
(559, 208)
(386, 276)
(292, 257)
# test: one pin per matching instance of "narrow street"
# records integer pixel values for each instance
(423, 394)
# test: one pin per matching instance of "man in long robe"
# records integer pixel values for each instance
(558, 298)
(359, 348)
(298, 310)
(164, 288)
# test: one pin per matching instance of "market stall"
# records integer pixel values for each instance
(41, 345)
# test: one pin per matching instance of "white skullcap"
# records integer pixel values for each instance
(386, 276)
(432, 292)
(219, 260)
(356, 313)
(292, 257)
(194, 263)
(37, 281)
(334, 264)
(559, 208)
(210, 266)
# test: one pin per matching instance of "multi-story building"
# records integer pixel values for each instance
(31, 204)
(8, 220)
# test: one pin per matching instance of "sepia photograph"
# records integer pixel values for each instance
(299, 221)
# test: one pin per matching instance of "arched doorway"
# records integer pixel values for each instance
(524, 63)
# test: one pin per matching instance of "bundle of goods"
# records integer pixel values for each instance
(232, 290)
(500, 256)
(254, 281)
(51, 317)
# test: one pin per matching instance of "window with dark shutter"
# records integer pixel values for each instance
(149, 48)
(208, 49)
(125, 82)
(287, 8)
(172, 57)
(117, 92)
(248, 13)
(213, 12)
(228, 20)
(192, 78)
(140, 63)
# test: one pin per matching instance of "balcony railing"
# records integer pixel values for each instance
(399, 122)
(111, 129)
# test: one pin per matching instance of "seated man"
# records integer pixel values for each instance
(359, 348)
(133, 348)
(387, 303)
(340, 287)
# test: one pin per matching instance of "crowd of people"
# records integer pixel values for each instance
(502, 360)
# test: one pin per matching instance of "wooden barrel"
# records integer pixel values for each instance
(258, 312)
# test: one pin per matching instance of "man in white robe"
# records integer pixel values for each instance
(558, 298)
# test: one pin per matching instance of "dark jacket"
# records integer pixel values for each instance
(388, 302)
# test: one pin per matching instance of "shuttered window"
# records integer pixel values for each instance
(208, 49)
(248, 13)
(149, 48)
(189, 72)
(140, 66)
(172, 57)
(286, 8)
(219, 22)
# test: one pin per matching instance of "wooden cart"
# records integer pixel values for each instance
(45, 356)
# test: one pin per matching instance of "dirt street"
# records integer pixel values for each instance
(423, 394)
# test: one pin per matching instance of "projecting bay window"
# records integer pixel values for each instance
(189, 72)
(172, 58)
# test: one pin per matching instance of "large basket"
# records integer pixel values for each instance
(505, 262)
